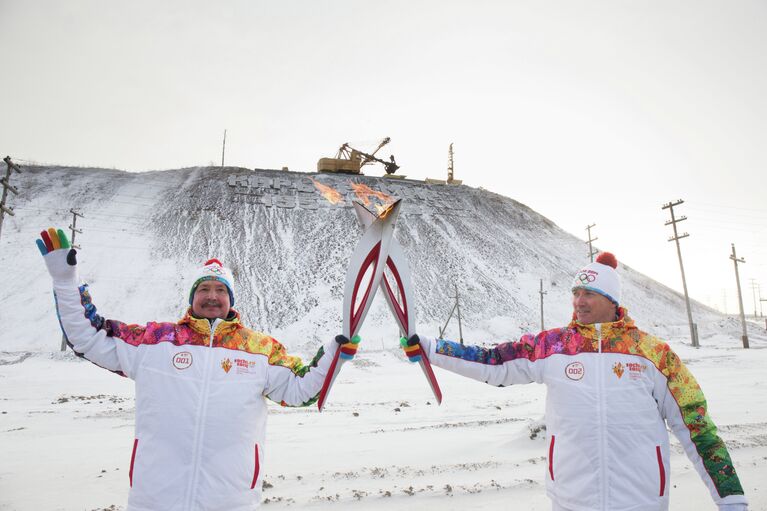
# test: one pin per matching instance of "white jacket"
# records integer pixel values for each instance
(612, 390)
(200, 397)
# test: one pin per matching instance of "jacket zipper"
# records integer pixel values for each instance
(602, 420)
(201, 411)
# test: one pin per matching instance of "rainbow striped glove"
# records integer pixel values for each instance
(59, 256)
(412, 347)
(348, 348)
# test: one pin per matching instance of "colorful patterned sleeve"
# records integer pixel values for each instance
(107, 343)
(504, 364)
(684, 408)
(289, 381)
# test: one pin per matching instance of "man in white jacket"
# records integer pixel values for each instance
(612, 391)
(201, 385)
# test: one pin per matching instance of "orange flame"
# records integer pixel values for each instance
(364, 193)
(384, 210)
(332, 195)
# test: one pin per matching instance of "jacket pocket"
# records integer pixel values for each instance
(551, 457)
(661, 471)
(256, 469)
(132, 461)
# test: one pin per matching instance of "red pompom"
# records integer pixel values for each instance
(213, 261)
(607, 259)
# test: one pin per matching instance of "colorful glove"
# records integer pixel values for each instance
(60, 257)
(412, 347)
(348, 348)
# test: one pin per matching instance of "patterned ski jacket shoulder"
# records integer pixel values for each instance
(610, 388)
(200, 400)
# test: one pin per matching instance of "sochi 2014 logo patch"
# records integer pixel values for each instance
(636, 370)
(182, 360)
(244, 366)
(618, 369)
(575, 371)
(226, 365)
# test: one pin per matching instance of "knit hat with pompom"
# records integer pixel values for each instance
(601, 277)
(214, 270)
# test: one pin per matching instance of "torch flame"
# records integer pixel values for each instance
(364, 193)
(384, 210)
(332, 195)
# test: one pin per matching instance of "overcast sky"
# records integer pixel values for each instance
(588, 112)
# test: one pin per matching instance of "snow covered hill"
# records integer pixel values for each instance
(144, 233)
(66, 426)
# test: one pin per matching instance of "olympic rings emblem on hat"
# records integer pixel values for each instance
(585, 278)
(214, 269)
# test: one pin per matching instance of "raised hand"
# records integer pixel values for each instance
(59, 256)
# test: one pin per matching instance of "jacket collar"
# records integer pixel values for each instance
(202, 325)
(622, 322)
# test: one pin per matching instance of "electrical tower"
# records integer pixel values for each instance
(592, 251)
(735, 259)
(676, 237)
(6, 183)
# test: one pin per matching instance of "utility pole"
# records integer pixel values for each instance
(735, 259)
(456, 307)
(753, 293)
(73, 225)
(223, 149)
(676, 237)
(6, 182)
(542, 292)
(592, 252)
(75, 230)
(450, 164)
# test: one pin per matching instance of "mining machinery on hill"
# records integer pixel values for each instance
(350, 160)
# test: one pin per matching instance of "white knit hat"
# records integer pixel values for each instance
(601, 277)
(214, 270)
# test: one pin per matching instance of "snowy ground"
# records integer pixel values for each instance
(66, 432)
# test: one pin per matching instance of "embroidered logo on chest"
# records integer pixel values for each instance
(575, 371)
(226, 365)
(244, 366)
(635, 370)
(182, 360)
